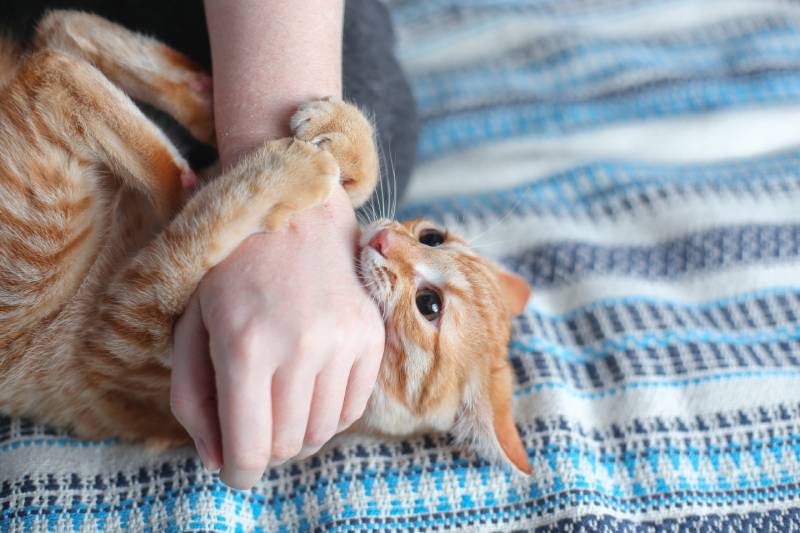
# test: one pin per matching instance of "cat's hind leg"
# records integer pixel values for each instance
(79, 111)
(144, 68)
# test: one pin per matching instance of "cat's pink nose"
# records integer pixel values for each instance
(381, 241)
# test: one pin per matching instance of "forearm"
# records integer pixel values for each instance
(269, 56)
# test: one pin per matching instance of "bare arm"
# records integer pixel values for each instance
(280, 346)
(270, 56)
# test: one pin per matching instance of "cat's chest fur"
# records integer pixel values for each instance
(388, 415)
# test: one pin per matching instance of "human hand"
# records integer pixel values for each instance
(279, 347)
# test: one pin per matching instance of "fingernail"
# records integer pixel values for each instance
(239, 479)
(205, 457)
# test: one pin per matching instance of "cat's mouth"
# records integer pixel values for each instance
(370, 272)
(372, 268)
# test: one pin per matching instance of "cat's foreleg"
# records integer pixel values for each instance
(137, 310)
(144, 68)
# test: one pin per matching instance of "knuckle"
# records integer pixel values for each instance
(351, 415)
(307, 342)
(283, 451)
(318, 436)
(349, 419)
(354, 411)
(245, 347)
(251, 459)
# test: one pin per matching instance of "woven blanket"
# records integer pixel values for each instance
(638, 162)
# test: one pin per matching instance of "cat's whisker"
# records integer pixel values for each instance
(381, 180)
(473, 240)
(372, 206)
(363, 221)
(394, 187)
(389, 201)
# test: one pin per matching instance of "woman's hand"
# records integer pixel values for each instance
(279, 348)
(280, 345)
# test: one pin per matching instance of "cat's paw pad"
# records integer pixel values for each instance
(341, 129)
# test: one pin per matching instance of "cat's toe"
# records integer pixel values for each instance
(341, 129)
(315, 172)
(313, 117)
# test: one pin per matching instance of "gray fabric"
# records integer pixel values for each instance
(374, 79)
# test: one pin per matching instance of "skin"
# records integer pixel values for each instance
(280, 346)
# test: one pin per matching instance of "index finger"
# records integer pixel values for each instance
(192, 397)
(245, 410)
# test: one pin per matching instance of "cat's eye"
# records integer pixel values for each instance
(431, 237)
(429, 303)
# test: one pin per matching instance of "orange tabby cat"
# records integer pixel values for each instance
(100, 249)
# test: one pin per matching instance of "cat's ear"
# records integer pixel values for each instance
(505, 431)
(516, 290)
(488, 422)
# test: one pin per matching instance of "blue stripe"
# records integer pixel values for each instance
(64, 442)
(568, 493)
(608, 188)
(655, 341)
(631, 301)
(563, 263)
(585, 66)
(779, 519)
(619, 390)
(467, 128)
(438, 10)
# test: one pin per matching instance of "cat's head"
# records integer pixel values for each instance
(448, 318)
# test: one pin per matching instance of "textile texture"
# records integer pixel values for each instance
(638, 162)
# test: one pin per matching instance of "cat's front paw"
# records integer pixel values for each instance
(310, 175)
(344, 131)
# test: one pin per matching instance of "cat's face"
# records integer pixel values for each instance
(448, 318)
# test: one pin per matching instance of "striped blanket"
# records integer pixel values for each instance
(638, 162)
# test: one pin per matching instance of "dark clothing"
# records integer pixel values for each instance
(371, 75)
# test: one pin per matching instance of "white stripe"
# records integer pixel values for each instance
(646, 403)
(700, 288)
(662, 222)
(664, 512)
(690, 139)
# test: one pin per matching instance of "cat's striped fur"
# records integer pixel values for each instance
(102, 242)
(89, 282)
